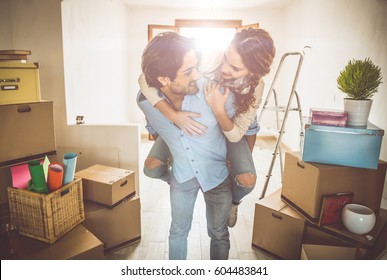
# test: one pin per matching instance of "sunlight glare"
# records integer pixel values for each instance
(210, 38)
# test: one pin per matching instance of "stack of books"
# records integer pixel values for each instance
(14, 55)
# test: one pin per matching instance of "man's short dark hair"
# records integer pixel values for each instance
(164, 56)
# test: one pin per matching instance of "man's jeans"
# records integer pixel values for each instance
(238, 154)
(218, 205)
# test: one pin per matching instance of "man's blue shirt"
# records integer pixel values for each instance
(203, 157)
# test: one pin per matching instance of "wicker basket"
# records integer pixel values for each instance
(47, 217)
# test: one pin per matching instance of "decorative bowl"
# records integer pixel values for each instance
(358, 219)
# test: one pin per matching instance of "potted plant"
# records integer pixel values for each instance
(359, 80)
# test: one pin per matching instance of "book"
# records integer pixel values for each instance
(13, 57)
(9, 55)
(15, 52)
(331, 207)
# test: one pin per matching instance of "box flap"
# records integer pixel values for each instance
(292, 213)
(273, 201)
(325, 252)
(79, 243)
(98, 168)
(114, 227)
(101, 177)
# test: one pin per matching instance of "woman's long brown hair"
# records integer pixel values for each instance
(256, 48)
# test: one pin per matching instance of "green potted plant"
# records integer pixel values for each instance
(359, 80)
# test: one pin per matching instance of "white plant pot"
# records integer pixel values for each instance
(358, 111)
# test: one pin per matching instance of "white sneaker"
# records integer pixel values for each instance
(233, 216)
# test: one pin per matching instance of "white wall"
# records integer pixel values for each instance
(97, 62)
(338, 31)
(141, 17)
(88, 38)
(36, 25)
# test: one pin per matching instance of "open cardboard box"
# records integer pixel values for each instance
(278, 229)
(327, 252)
(304, 184)
(78, 244)
(116, 227)
(368, 246)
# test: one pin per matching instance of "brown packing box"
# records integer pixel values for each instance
(368, 246)
(6, 175)
(278, 229)
(78, 244)
(326, 252)
(107, 186)
(5, 216)
(27, 131)
(304, 184)
(115, 227)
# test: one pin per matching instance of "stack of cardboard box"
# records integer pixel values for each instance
(112, 208)
(27, 133)
(27, 122)
(287, 223)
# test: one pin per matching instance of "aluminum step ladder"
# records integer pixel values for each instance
(282, 109)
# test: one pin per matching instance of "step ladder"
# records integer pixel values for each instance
(283, 109)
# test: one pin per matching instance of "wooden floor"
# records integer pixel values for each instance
(155, 217)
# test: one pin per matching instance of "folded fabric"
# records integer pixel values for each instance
(330, 118)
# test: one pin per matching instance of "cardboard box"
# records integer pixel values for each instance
(5, 216)
(47, 217)
(326, 252)
(304, 184)
(115, 227)
(368, 246)
(278, 229)
(27, 131)
(78, 244)
(107, 186)
(19, 82)
(6, 174)
(347, 146)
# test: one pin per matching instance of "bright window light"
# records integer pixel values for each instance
(210, 38)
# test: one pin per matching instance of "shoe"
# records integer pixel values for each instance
(233, 216)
